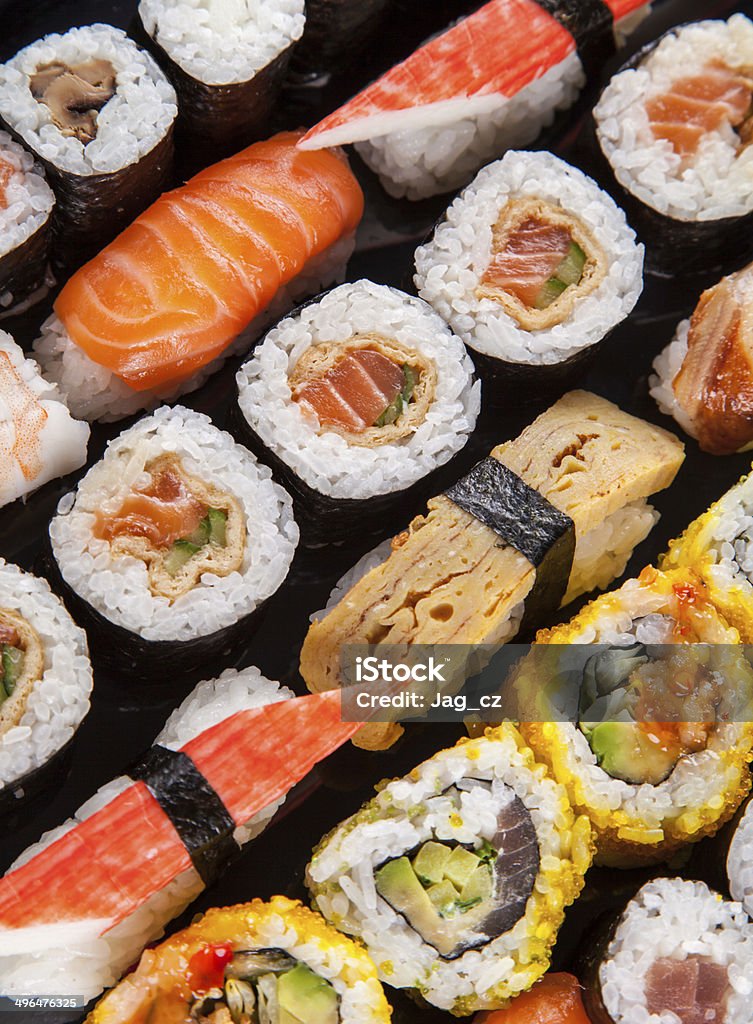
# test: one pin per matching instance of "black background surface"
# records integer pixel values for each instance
(127, 714)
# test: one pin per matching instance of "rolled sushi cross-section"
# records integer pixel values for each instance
(267, 963)
(238, 245)
(678, 952)
(718, 547)
(98, 113)
(456, 877)
(152, 840)
(26, 203)
(45, 677)
(675, 128)
(658, 756)
(532, 263)
(177, 533)
(360, 393)
(39, 440)
(489, 82)
(227, 61)
(704, 377)
(581, 473)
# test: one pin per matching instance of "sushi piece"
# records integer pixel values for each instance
(152, 840)
(739, 862)
(532, 266)
(38, 438)
(98, 114)
(227, 61)
(488, 83)
(336, 33)
(674, 128)
(174, 539)
(276, 961)
(704, 377)
(45, 683)
(546, 517)
(194, 277)
(457, 876)
(679, 952)
(718, 547)
(26, 203)
(555, 999)
(657, 750)
(358, 396)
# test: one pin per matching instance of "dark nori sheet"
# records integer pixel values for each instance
(672, 246)
(526, 521)
(15, 796)
(591, 24)
(195, 809)
(23, 269)
(336, 33)
(509, 383)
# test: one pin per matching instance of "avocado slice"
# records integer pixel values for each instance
(550, 291)
(217, 520)
(570, 270)
(444, 897)
(12, 661)
(460, 866)
(430, 861)
(626, 752)
(180, 553)
(304, 997)
(478, 887)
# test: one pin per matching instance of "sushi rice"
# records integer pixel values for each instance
(740, 861)
(94, 393)
(718, 182)
(324, 459)
(487, 773)
(672, 919)
(59, 700)
(223, 43)
(73, 958)
(117, 586)
(129, 125)
(450, 267)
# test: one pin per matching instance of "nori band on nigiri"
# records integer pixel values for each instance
(526, 521)
(591, 24)
(200, 817)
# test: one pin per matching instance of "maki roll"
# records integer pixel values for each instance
(740, 861)
(674, 127)
(45, 682)
(277, 962)
(678, 952)
(488, 83)
(457, 876)
(704, 378)
(532, 266)
(336, 33)
(358, 396)
(152, 840)
(718, 547)
(546, 517)
(658, 750)
(175, 538)
(98, 113)
(227, 62)
(26, 203)
(142, 322)
(39, 440)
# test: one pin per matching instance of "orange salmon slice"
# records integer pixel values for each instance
(164, 512)
(530, 257)
(355, 392)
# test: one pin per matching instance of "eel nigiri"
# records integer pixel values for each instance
(174, 291)
(486, 84)
(38, 438)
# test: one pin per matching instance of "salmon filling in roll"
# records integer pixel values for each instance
(21, 666)
(178, 525)
(543, 259)
(371, 388)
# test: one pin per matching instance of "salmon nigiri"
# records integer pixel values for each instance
(179, 285)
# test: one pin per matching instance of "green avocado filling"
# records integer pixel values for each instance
(437, 887)
(11, 669)
(570, 271)
(268, 987)
(211, 530)
(401, 399)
